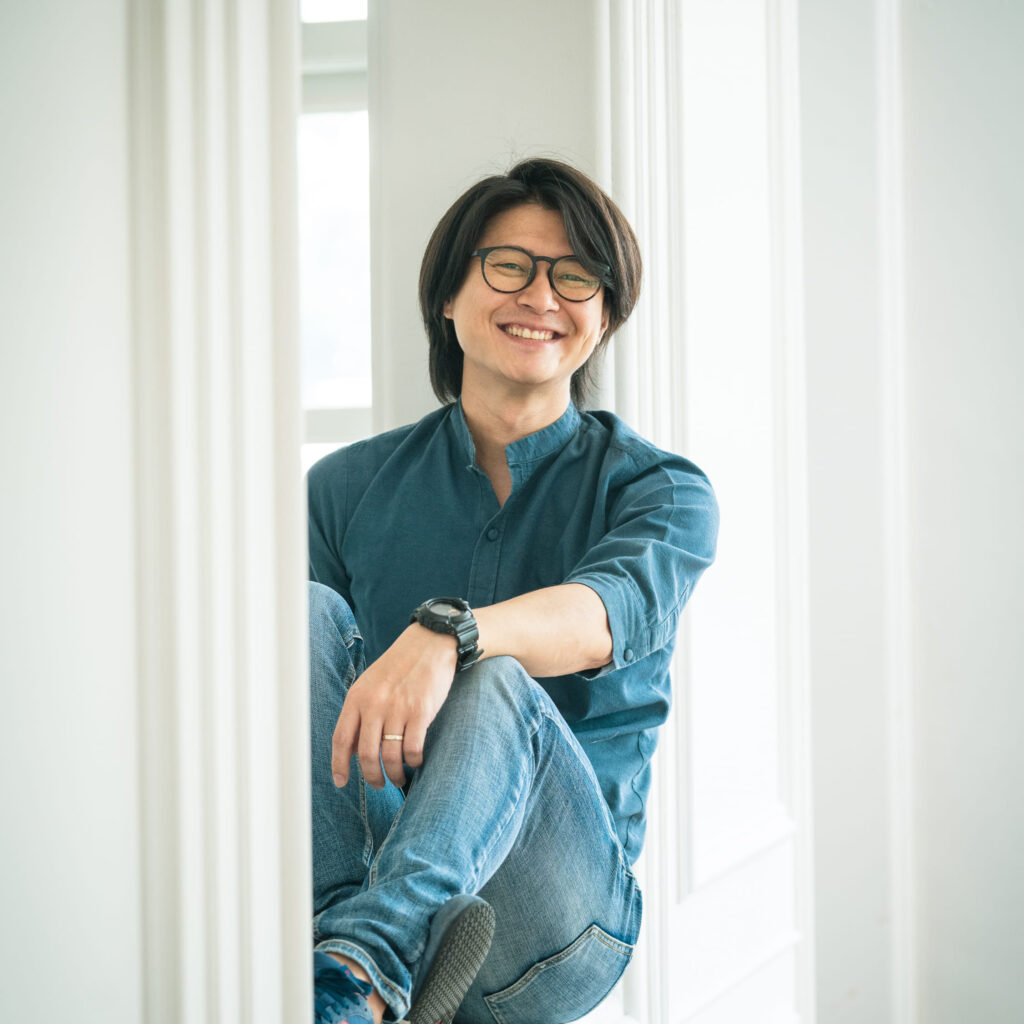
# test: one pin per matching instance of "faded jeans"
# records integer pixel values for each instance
(505, 805)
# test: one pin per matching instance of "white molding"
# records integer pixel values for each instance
(898, 660)
(645, 160)
(779, 947)
(333, 46)
(727, 851)
(224, 721)
(334, 63)
(334, 67)
(795, 729)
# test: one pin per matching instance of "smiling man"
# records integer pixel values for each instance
(482, 738)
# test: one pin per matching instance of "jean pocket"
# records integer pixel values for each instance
(565, 986)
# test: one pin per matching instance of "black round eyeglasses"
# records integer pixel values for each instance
(507, 268)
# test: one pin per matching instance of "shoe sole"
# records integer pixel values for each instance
(460, 952)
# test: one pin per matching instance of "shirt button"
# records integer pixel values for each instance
(627, 654)
(492, 533)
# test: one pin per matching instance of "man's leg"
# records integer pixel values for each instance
(505, 796)
(349, 823)
(567, 905)
(502, 777)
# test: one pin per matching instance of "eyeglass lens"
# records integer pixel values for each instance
(510, 270)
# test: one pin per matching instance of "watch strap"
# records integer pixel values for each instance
(461, 626)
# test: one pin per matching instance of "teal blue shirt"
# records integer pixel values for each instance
(408, 515)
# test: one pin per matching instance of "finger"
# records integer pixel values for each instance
(342, 745)
(412, 744)
(368, 745)
(391, 753)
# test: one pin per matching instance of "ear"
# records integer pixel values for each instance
(447, 309)
(605, 318)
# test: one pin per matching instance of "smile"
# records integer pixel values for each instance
(524, 332)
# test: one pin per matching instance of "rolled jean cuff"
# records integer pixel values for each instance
(397, 1001)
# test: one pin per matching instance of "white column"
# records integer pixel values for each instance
(220, 600)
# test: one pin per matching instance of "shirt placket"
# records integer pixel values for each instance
(483, 573)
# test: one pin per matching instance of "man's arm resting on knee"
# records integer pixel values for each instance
(551, 632)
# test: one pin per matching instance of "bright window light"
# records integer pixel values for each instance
(334, 225)
(313, 452)
(333, 10)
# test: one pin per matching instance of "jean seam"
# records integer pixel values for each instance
(609, 820)
(365, 814)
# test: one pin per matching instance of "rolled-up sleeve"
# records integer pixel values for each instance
(661, 536)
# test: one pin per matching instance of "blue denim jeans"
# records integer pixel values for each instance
(505, 805)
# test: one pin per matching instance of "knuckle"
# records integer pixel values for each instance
(374, 699)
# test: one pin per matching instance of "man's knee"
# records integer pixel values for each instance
(335, 644)
(329, 612)
(501, 685)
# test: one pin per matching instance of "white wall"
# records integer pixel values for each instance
(915, 218)
(845, 371)
(965, 235)
(69, 868)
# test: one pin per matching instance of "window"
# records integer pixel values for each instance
(334, 227)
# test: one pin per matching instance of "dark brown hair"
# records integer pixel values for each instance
(597, 232)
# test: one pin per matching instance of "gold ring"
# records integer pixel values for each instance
(394, 736)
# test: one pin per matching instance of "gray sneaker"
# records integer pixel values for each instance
(460, 936)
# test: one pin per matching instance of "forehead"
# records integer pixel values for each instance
(534, 228)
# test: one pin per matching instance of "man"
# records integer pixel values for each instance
(482, 740)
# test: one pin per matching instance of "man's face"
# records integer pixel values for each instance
(530, 340)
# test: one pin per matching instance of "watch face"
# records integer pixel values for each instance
(444, 608)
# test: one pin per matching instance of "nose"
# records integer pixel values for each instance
(538, 294)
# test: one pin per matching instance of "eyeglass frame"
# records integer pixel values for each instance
(602, 269)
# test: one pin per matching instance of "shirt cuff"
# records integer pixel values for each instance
(631, 639)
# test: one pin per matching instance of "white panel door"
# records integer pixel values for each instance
(712, 368)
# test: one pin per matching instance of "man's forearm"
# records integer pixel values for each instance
(551, 632)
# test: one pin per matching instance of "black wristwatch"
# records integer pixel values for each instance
(452, 615)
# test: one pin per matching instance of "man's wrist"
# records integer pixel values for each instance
(445, 642)
(453, 617)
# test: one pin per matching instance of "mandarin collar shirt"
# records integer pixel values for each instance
(408, 515)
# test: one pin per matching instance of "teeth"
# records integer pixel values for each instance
(522, 332)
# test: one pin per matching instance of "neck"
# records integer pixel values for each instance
(496, 423)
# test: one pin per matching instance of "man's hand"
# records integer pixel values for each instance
(400, 694)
